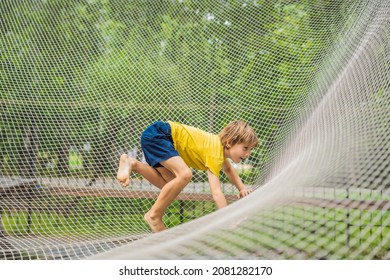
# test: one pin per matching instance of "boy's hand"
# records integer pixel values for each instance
(244, 192)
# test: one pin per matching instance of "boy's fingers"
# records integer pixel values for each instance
(244, 193)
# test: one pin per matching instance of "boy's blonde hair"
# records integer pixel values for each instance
(238, 132)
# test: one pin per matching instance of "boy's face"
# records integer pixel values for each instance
(238, 152)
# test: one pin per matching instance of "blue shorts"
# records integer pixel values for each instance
(157, 143)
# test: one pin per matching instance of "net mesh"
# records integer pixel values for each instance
(81, 80)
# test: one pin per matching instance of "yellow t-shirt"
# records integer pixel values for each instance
(199, 149)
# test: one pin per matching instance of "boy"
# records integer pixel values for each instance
(171, 148)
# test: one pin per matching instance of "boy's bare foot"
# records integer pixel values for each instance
(124, 170)
(154, 224)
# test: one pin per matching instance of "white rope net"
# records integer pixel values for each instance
(81, 80)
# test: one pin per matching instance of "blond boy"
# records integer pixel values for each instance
(172, 148)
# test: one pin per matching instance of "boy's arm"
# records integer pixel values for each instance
(232, 175)
(215, 187)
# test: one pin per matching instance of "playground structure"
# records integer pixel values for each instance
(319, 104)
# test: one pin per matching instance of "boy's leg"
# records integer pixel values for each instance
(169, 192)
(128, 164)
(166, 174)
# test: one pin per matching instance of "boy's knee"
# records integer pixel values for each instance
(186, 175)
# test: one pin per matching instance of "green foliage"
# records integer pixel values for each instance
(86, 68)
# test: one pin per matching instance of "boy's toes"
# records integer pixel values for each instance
(125, 183)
